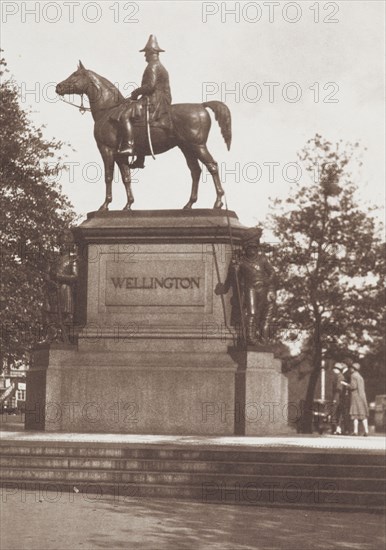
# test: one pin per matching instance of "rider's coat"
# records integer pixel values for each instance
(155, 85)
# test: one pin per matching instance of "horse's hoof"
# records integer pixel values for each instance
(188, 206)
(127, 206)
(218, 205)
(104, 207)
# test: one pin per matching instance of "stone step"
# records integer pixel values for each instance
(220, 467)
(331, 484)
(328, 479)
(252, 496)
(326, 457)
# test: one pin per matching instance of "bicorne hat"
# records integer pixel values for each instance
(152, 45)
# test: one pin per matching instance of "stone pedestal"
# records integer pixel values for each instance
(262, 406)
(153, 346)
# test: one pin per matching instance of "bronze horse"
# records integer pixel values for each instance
(191, 124)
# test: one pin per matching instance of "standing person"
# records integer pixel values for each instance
(338, 389)
(61, 284)
(359, 409)
(155, 87)
(257, 288)
(345, 421)
(258, 283)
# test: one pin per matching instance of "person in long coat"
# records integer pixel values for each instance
(359, 410)
(345, 422)
(337, 391)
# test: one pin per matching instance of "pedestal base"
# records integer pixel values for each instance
(155, 392)
(138, 391)
(261, 389)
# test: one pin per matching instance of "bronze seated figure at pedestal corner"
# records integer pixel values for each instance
(148, 126)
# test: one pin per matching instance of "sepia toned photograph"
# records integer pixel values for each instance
(193, 275)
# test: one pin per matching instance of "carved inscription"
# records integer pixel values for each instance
(149, 283)
(152, 283)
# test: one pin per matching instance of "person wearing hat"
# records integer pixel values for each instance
(156, 87)
(66, 274)
(259, 287)
(61, 282)
(257, 280)
(359, 409)
(337, 393)
(345, 421)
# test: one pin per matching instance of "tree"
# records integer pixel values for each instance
(34, 214)
(375, 355)
(328, 263)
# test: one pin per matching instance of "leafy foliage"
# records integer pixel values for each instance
(329, 261)
(34, 214)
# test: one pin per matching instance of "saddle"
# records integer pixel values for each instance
(136, 111)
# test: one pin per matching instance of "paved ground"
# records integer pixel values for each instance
(9, 432)
(71, 521)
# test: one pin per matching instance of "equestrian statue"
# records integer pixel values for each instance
(148, 124)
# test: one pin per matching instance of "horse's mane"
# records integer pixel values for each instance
(106, 83)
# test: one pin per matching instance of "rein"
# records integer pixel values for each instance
(81, 107)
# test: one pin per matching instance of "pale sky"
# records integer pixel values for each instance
(328, 55)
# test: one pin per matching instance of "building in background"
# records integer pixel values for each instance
(13, 389)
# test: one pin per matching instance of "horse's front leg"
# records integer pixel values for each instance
(126, 178)
(108, 198)
(108, 161)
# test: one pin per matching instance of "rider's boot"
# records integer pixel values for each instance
(138, 163)
(127, 143)
(126, 148)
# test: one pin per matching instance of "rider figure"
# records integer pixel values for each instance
(155, 87)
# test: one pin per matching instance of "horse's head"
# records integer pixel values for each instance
(76, 83)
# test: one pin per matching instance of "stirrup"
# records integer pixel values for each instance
(126, 149)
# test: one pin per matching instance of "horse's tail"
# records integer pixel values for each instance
(223, 115)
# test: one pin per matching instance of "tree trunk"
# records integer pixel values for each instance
(314, 376)
(308, 404)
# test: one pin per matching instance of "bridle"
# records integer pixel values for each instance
(81, 107)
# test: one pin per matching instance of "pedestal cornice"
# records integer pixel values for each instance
(166, 226)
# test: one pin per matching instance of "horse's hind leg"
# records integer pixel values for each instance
(202, 153)
(195, 171)
(126, 178)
